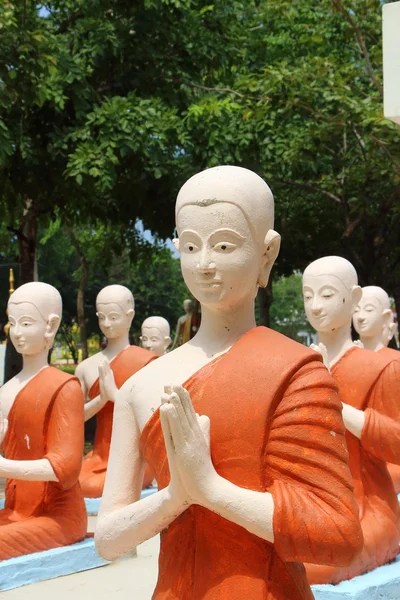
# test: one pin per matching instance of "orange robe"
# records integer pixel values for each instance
(94, 465)
(276, 427)
(368, 382)
(394, 470)
(45, 421)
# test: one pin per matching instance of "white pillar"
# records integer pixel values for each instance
(391, 61)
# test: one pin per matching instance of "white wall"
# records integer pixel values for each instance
(391, 61)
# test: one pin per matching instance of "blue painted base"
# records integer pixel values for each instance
(48, 565)
(381, 584)
(93, 504)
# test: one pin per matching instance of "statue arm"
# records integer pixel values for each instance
(306, 464)
(64, 443)
(124, 520)
(381, 431)
(91, 407)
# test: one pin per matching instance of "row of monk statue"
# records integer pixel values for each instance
(271, 458)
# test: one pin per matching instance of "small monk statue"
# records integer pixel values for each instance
(184, 325)
(41, 433)
(156, 335)
(374, 322)
(368, 387)
(249, 489)
(115, 311)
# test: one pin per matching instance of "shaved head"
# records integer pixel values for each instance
(233, 185)
(373, 291)
(43, 296)
(158, 323)
(116, 294)
(335, 266)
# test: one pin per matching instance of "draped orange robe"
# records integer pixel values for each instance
(369, 382)
(94, 465)
(394, 470)
(45, 421)
(276, 427)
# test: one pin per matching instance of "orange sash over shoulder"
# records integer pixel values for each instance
(394, 470)
(45, 421)
(94, 466)
(369, 382)
(276, 427)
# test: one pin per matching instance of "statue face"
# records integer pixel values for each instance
(27, 328)
(153, 340)
(220, 260)
(327, 302)
(113, 321)
(368, 317)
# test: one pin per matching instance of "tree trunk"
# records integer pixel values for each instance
(80, 301)
(265, 299)
(80, 305)
(26, 235)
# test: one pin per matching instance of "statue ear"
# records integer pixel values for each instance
(167, 340)
(53, 323)
(387, 315)
(356, 293)
(272, 244)
(392, 330)
(130, 313)
(175, 242)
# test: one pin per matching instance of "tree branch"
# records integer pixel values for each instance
(313, 188)
(361, 43)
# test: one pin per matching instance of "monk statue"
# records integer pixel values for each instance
(115, 311)
(41, 434)
(246, 441)
(184, 325)
(155, 335)
(374, 322)
(368, 387)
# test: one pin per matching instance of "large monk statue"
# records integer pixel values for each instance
(373, 320)
(369, 389)
(115, 311)
(155, 335)
(41, 433)
(259, 482)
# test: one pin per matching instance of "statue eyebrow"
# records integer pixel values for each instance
(228, 231)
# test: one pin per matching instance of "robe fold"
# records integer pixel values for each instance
(394, 469)
(46, 420)
(276, 427)
(370, 383)
(94, 465)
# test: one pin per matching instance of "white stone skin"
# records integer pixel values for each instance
(227, 245)
(331, 294)
(155, 335)
(373, 318)
(34, 314)
(115, 311)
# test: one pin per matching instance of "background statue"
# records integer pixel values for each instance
(41, 432)
(115, 311)
(250, 488)
(155, 335)
(184, 331)
(368, 387)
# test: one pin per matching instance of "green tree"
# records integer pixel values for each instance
(287, 310)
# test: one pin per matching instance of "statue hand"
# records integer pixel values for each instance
(190, 434)
(108, 389)
(321, 349)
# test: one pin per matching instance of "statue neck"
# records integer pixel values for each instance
(219, 330)
(373, 343)
(337, 342)
(116, 345)
(32, 364)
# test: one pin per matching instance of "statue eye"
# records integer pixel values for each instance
(225, 247)
(190, 247)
